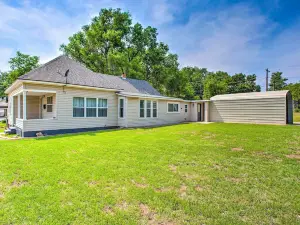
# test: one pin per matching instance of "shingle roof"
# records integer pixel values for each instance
(54, 72)
(251, 95)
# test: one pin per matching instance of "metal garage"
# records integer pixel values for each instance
(273, 107)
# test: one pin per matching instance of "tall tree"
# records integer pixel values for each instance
(278, 82)
(241, 83)
(215, 84)
(195, 78)
(295, 91)
(19, 65)
(112, 45)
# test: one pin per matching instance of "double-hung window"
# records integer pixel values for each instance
(154, 109)
(142, 108)
(173, 107)
(78, 107)
(102, 107)
(121, 107)
(91, 107)
(148, 108)
(49, 104)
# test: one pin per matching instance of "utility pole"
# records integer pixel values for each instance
(267, 78)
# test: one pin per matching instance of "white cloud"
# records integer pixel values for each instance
(162, 12)
(37, 31)
(5, 54)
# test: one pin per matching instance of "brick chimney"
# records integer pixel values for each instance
(123, 76)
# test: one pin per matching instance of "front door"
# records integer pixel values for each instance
(199, 111)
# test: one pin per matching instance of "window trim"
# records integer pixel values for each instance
(86, 107)
(84, 104)
(51, 96)
(156, 108)
(123, 108)
(178, 103)
(144, 117)
(98, 107)
(150, 109)
(145, 108)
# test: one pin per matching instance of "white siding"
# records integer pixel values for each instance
(64, 116)
(163, 117)
(12, 107)
(19, 123)
(265, 111)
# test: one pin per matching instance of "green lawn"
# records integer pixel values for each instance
(296, 117)
(183, 174)
(2, 126)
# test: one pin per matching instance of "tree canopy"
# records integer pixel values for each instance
(112, 44)
(278, 82)
(19, 65)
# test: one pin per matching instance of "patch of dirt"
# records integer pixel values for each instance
(19, 183)
(139, 185)
(108, 210)
(237, 149)
(234, 179)
(293, 156)
(163, 189)
(217, 166)
(208, 135)
(122, 206)
(199, 188)
(63, 182)
(146, 212)
(183, 190)
(173, 168)
(190, 176)
(264, 155)
(93, 183)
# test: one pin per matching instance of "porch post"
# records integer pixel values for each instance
(12, 110)
(206, 113)
(19, 107)
(24, 106)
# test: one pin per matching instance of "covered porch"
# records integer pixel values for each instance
(28, 105)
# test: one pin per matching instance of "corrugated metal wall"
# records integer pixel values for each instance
(264, 110)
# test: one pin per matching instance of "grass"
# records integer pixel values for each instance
(296, 116)
(2, 126)
(183, 174)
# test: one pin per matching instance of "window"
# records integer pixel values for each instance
(142, 108)
(186, 108)
(173, 107)
(91, 107)
(49, 105)
(78, 107)
(121, 108)
(154, 108)
(102, 107)
(148, 108)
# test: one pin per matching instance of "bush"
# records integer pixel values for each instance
(297, 110)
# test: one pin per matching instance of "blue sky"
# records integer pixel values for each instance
(233, 36)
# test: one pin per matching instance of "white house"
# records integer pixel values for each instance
(63, 96)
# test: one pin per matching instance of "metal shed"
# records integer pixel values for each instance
(273, 107)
